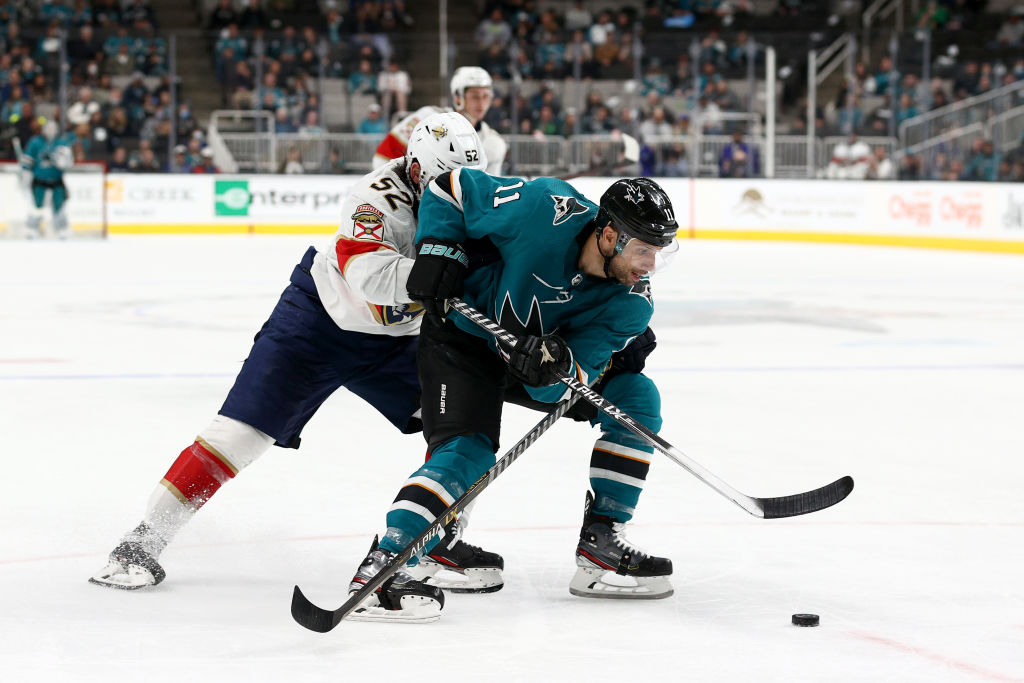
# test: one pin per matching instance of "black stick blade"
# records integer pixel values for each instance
(309, 615)
(804, 503)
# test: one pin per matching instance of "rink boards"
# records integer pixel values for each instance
(951, 215)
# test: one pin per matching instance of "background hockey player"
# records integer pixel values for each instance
(47, 156)
(345, 320)
(472, 90)
(571, 281)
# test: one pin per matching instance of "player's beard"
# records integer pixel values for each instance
(620, 269)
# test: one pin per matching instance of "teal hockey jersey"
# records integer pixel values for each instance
(536, 287)
(40, 157)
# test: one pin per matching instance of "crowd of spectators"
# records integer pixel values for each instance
(269, 54)
(118, 90)
(292, 43)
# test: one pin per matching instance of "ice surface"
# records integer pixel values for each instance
(781, 367)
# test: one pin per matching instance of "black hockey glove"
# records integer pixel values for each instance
(633, 358)
(437, 274)
(537, 361)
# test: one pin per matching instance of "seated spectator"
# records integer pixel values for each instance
(221, 16)
(725, 97)
(880, 165)
(654, 79)
(493, 31)
(881, 81)
(119, 161)
(1011, 32)
(253, 16)
(570, 124)
(394, 86)
(600, 121)
(206, 164)
(906, 109)
(578, 17)
(83, 109)
(311, 125)
(374, 123)
(179, 162)
(656, 126)
(283, 121)
(910, 168)
(363, 81)
(333, 164)
(858, 159)
(933, 16)
(292, 165)
(837, 165)
(674, 163)
(495, 61)
(145, 162)
(738, 159)
(851, 117)
(710, 115)
(546, 124)
(186, 123)
(984, 165)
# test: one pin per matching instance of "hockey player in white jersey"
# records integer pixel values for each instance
(345, 320)
(472, 90)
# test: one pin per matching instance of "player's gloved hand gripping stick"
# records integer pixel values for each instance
(765, 508)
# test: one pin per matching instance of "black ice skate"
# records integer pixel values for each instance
(400, 599)
(609, 566)
(457, 566)
(130, 567)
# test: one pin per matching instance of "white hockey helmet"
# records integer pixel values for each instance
(443, 142)
(468, 77)
(50, 130)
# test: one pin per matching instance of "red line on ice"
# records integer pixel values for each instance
(935, 657)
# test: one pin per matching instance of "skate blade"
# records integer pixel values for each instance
(415, 610)
(601, 583)
(116, 576)
(484, 580)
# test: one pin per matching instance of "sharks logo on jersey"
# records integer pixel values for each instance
(566, 208)
(643, 288)
(510, 320)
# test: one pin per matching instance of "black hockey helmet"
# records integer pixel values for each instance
(638, 208)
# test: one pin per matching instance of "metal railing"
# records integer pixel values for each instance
(975, 109)
(255, 150)
(878, 11)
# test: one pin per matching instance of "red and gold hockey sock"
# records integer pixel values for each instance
(197, 474)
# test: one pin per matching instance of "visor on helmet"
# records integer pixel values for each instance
(642, 256)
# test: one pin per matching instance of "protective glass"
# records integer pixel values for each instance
(645, 257)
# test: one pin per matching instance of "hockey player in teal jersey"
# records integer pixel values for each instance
(570, 279)
(46, 158)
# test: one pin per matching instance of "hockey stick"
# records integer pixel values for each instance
(323, 620)
(765, 508)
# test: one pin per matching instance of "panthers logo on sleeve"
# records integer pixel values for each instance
(368, 223)
(396, 315)
(566, 208)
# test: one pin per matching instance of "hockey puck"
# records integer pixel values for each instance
(805, 619)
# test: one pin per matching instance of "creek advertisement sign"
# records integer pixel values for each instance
(183, 203)
(954, 215)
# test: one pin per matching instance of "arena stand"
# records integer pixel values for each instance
(932, 88)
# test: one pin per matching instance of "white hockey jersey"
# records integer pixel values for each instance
(360, 275)
(397, 140)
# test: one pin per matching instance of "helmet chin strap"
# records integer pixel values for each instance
(607, 259)
(602, 221)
